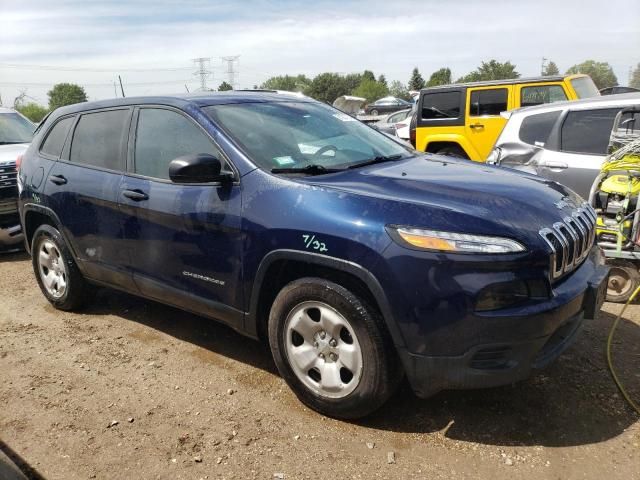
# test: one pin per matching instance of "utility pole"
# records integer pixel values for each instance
(202, 65)
(121, 87)
(542, 65)
(232, 73)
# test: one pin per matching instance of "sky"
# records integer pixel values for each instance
(152, 44)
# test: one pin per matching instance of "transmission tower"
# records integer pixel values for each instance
(202, 65)
(232, 69)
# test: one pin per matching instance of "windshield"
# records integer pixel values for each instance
(15, 128)
(298, 134)
(585, 87)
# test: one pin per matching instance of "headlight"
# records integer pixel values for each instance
(455, 242)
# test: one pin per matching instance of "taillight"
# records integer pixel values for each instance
(19, 161)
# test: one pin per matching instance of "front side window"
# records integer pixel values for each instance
(54, 142)
(298, 134)
(99, 139)
(14, 128)
(539, 94)
(535, 129)
(488, 102)
(441, 105)
(164, 135)
(588, 131)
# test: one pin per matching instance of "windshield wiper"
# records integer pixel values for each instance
(313, 169)
(378, 159)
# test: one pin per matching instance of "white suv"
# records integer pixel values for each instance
(564, 141)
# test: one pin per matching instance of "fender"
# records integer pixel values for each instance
(460, 139)
(251, 320)
(34, 207)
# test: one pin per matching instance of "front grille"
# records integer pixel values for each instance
(8, 175)
(570, 240)
(491, 358)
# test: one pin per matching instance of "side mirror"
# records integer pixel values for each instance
(197, 168)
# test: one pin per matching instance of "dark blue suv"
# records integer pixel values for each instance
(358, 259)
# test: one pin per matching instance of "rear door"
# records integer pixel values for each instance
(82, 188)
(579, 150)
(184, 239)
(483, 121)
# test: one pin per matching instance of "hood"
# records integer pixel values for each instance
(458, 195)
(9, 153)
(349, 104)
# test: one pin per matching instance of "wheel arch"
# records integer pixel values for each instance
(280, 267)
(35, 215)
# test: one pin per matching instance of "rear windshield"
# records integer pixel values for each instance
(15, 128)
(297, 134)
(585, 87)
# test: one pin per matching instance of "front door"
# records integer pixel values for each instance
(483, 121)
(184, 239)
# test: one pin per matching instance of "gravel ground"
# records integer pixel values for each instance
(133, 389)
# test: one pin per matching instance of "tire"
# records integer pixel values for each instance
(623, 280)
(374, 112)
(452, 152)
(56, 271)
(355, 354)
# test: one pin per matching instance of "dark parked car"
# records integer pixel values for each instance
(387, 105)
(360, 261)
(617, 90)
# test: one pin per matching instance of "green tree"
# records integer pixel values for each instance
(326, 87)
(491, 70)
(551, 69)
(600, 72)
(440, 77)
(352, 81)
(635, 78)
(32, 111)
(383, 80)
(416, 82)
(399, 90)
(368, 75)
(371, 90)
(65, 94)
(289, 83)
(224, 86)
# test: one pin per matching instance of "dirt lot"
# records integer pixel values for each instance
(192, 399)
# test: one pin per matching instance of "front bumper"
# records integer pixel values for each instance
(507, 360)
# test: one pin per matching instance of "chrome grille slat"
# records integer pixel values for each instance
(570, 240)
(8, 175)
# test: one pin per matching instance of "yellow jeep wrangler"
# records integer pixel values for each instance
(464, 119)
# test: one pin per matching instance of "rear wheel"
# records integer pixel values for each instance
(374, 112)
(56, 271)
(452, 151)
(623, 280)
(332, 349)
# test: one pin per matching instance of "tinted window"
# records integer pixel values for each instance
(441, 105)
(164, 135)
(588, 131)
(488, 102)
(541, 94)
(57, 135)
(99, 139)
(535, 129)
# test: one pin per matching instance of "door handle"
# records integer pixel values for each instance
(476, 126)
(135, 195)
(554, 165)
(58, 179)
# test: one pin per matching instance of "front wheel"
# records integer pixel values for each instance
(374, 113)
(332, 349)
(56, 271)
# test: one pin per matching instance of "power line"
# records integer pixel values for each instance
(110, 84)
(87, 69)
(203, 64)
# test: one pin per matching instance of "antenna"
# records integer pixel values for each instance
(232, 73)
(202, 71)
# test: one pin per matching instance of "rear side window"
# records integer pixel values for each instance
(540, 94)
(588, 131)
(488, 102)
(535, 129)
(441, 105)
(164, 135)
(55, 139)
(99, 139)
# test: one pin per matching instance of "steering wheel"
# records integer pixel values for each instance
(325, 149)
